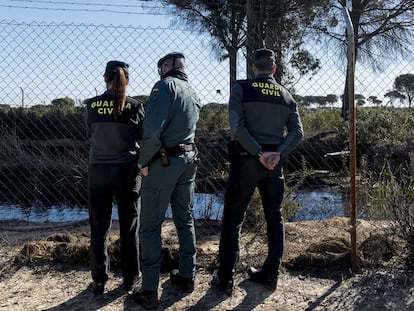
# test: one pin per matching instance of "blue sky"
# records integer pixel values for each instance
(44, 11)
(132, 13)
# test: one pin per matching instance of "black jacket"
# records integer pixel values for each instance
(113, 141)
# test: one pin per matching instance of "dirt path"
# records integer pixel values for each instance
(58, 286)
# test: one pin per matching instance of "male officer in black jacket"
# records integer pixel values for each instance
(260, 112)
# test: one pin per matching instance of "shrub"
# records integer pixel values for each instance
(391, 197)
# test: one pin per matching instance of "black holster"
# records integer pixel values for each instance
(163, 154)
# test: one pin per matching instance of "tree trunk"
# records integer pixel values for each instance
(233, 65)
(274, 39)
(254, 34)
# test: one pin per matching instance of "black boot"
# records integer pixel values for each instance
(148, 299)
(98, 288)
(225, 286)
(129, 284)
(260, 277)
(186, 284)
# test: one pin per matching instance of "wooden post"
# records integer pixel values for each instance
(351, 96)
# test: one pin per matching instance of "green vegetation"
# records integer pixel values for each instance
(320, 120)
(384, 126)
(213, 117)
(44, 152)
(389, 194)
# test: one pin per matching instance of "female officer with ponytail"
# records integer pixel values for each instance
(114, 126)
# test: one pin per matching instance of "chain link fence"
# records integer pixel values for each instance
(46, 70)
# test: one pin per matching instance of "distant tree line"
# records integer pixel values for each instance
(403, 91)
(380, 27)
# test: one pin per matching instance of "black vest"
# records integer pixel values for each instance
(100, 109)
(263, 90)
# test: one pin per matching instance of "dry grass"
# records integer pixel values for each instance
(49, 284)
(306, 248)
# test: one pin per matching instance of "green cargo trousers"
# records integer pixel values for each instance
(164, 185)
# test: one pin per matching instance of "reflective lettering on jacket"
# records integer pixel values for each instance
(106, 106)
(267, 88)
(264, 90)
(103, 106)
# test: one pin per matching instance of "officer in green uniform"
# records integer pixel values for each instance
(260, 110)
(168, 163)
(114, 125)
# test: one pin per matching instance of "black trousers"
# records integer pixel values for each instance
(106, 182)
(247, 173)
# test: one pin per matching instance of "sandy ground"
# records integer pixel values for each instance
(56, 286)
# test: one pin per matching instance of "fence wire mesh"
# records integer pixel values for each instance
(46, 70)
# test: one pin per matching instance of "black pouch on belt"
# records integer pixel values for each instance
(164, 156)
(235, 150)
(230, 150)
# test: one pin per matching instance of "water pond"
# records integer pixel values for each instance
(316, 204)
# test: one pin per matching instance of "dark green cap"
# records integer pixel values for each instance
(168, 56)
(113, 64)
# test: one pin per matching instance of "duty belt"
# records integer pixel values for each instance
(181, 148)
(269, 147)
(235, 149)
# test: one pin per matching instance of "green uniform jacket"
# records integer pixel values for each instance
(171, 114)
(262, 111)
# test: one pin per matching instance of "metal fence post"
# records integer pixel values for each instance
(21, 89)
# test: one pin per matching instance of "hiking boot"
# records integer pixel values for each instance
(98, 288)
(128, 285)
(148, 299)
(186, 284)
(260, 277)
(225, 286)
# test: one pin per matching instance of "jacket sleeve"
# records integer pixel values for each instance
(156, 112)
(294, 129)
(238, 129)
(141, 116)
